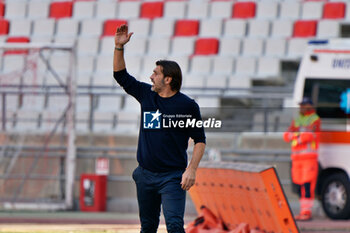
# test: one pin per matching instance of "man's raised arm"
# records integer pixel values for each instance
(120, 39)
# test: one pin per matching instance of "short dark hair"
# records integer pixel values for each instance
(173, 70)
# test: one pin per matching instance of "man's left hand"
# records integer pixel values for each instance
(188, 179)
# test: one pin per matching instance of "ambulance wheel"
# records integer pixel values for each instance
(335, 196)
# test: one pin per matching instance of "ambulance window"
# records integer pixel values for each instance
(326, 94)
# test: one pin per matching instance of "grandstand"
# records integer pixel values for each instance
(232, 53)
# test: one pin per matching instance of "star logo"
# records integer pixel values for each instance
(151, 120)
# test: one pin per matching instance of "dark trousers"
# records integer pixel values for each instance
(160, 189)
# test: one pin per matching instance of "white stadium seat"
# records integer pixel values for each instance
(38, 9)
(201, 65)
(197, 10)
(67, 27)
(275, 47)
(268, 67)
(267, 9)
(312, 10)
(220, 9)
(87, 45)
(282, 28)
(128, 10)
(175, 9)
(158, 46)
(296, 47)
(328, 29)
(83, 9)
(230, 46)
(106, 9)
(91, 27)
(235, 28)
(253, 47)
(44, 27)
(216, 81)
(20, 27)
(210, 28)
(182, 46)
(223, 65)
(15, 9)
(245, 66)
(290, 9)
(259, 28)
(162, 27)
(141, 27)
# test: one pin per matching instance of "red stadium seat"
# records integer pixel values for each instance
(110, 26)
(244, 10)
(334, 10)
(61, 9)
(152, 10)
(206, 46)
(305, 28)
(4, 27)
(19, 39)
(2, 9)
(186, 28)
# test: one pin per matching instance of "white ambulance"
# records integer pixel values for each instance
(324, 75)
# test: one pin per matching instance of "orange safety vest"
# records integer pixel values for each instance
(304, 137)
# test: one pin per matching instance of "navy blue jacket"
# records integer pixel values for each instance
(162, 149)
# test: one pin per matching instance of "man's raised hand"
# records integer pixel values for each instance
(122, 36)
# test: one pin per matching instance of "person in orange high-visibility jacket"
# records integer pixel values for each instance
(303, 134)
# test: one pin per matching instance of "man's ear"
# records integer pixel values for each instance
(168, 80)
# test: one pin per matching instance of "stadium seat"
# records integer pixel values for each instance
(148, 65)
(2, 9)
(305, 28)
(201, 65)
(162, 27)
(253, 47)
(103, 78)
(43, 28)
(4, 27)
(83, 9)
(85, 64)
(290, 10)
(275, 47)
(106, 45)
(12, 62)
(259, 28)
(282, 28)
(158, 46)
(210, 28)
(311, 10)
(183, 62)
(67, 27)
(244, 10)
(186, 28)
(20, 27)
(103, 122)
(106, 9)
(104, 63)
(134, 64)
(131, 104)
(141, 27)
(127, 121)
(128, 10)
(267, 10)
(194, 81)
(197, 9)
(182, 45)
(18, 39)
(230, 46)
(296, 47)
(91, 27)
(57, 103)
(334, 10)
(239, 81)
(175, 9)
(151, 10)
(15, 9)
(268, 67)
(110, 26)
(245, 66)
(137, 46)
(206, 46)
(38, 9)
(328, 29)
(223, 65)
(61, 9)
(216, 81)
(235, 28)
(220, 9)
